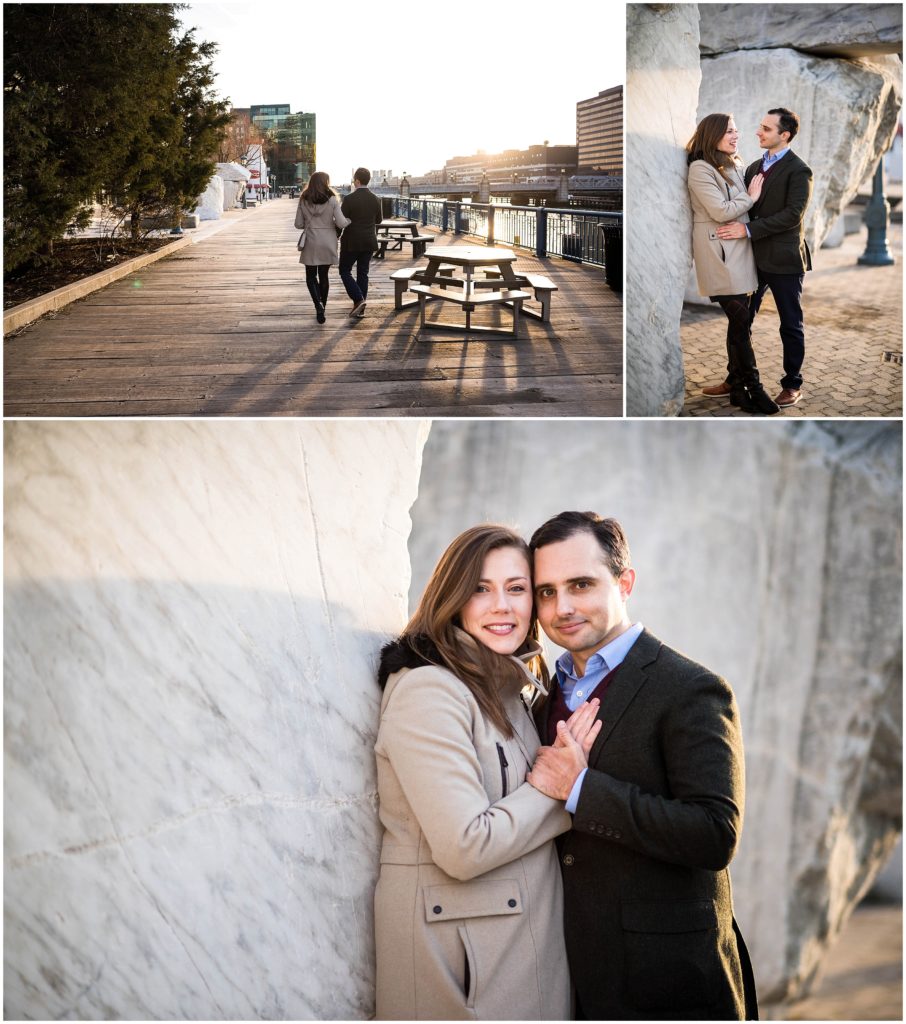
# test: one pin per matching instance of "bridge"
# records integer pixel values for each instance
(557, 189)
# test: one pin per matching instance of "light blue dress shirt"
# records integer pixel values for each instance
(576, 690)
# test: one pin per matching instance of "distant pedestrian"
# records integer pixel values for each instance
(359, 240)
(320, 216)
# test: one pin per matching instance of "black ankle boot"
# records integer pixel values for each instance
(762, 401)
(320, 311)
(740, 397)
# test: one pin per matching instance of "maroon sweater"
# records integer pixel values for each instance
(559, 711)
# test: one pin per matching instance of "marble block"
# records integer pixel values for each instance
(210, 202)
(848, 111)
(771, 553)
(662, 80)
(193, 612)
(840, 30)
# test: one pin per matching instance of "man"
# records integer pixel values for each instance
(777, 229)
(657, 808)
(359, 239)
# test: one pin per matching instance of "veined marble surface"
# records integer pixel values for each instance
(770, 552)
(193, 612)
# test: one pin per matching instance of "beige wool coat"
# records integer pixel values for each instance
(320, 221)
(469, 903)
(722, 267)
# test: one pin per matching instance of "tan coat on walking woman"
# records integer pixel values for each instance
(320, 221)
(722, 267)
(469, 905)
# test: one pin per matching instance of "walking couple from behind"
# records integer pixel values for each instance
(748, 236)
(323, 219)
(553, 847)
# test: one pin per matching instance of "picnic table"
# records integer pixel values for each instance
(467, 292)
(499, 274)
(392, 233)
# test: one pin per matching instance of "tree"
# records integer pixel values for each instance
(101, 101)
(173, 154)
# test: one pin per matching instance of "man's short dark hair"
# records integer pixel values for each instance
(362, 175)
(788, 121)
(607, 532)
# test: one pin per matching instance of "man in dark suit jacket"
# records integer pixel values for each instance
(359, 239)
(777, 229)
(657, 805)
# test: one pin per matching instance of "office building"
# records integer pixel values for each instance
(599, 133)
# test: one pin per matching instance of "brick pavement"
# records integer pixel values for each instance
(853, 314)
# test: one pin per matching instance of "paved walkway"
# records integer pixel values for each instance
(226, 327)
(853, 315)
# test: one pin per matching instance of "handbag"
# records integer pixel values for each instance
(300, 245)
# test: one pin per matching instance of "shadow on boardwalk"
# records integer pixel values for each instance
(852, 314)
(226, 327)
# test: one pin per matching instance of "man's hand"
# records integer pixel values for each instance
(732, 230)
(556, 768)
(582, 726)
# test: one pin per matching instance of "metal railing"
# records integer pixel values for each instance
(579, 235)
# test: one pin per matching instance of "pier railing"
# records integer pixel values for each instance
(580, 235)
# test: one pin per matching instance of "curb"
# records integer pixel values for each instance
(26, 312)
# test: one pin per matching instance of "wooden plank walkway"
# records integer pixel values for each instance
(226, 327)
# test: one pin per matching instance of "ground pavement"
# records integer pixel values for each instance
(226, 327)
(853, 315)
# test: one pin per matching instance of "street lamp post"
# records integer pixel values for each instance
(877, 217)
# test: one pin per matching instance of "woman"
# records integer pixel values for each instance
(725, 268)
(469, 905)
(319, 215)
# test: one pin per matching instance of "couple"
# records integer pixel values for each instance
(322, 217)
(748, 236)
(634, 792)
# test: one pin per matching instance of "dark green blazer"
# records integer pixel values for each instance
(363, 208)
(650, 932)
(777, 220)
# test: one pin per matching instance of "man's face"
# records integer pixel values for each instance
(769, 134)
(581, 606)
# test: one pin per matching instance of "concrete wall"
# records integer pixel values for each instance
(192, 616)
(771, 553)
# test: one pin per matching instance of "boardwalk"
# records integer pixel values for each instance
(226, 327)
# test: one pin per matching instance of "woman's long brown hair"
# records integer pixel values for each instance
(703, 144)
(453, 582)
(318, 189)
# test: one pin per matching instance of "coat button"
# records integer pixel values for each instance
(618, 835)
(592, 824)
(438, 910)
(511, 903)
(569, 860)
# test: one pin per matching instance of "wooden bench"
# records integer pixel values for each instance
(402, 277)
(543, 287)
(511, 299)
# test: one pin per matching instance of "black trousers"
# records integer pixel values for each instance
(787, 292)
(742, 371)
(356, 287)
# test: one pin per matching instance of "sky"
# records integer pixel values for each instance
(405, 92)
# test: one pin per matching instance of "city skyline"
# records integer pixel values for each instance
(433, 89)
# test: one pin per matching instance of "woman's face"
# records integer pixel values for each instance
(730, 139)
(498, 614)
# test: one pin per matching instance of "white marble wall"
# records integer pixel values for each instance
(192, 616)
(662, 82)
(771, 553)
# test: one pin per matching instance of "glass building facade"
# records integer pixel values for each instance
(290, 142)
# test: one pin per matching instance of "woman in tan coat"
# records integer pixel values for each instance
(725, 268)
(469, 905)
(320, 216)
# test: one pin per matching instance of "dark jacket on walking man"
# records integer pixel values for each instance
(359, 239)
